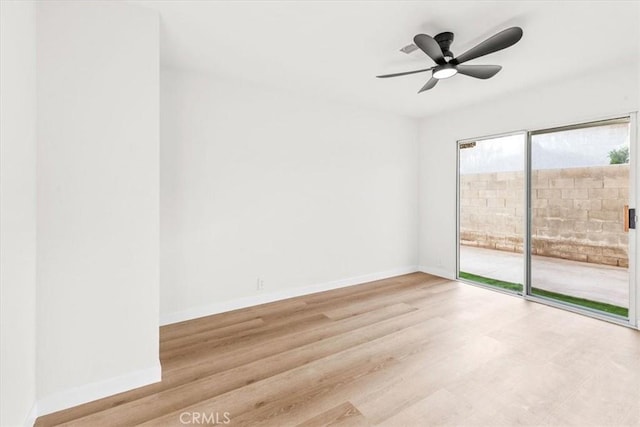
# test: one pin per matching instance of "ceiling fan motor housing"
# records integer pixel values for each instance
(444, 40)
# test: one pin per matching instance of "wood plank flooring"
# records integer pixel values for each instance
(414, 350)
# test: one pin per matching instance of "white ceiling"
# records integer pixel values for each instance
(333, 49)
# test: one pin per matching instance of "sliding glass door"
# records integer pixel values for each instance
(548, 214)
(579, 199)
(492, 211)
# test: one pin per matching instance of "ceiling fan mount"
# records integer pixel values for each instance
(438, 49)
(444, 40)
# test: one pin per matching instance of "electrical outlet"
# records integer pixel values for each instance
(260, 284)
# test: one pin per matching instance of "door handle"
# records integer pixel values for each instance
(629, 218)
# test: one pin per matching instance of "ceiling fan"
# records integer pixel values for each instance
(437, 48)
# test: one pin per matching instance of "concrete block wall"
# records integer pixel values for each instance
(577, 213)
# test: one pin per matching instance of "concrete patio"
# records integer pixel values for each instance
(584, 280)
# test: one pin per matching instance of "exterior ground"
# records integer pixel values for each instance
(583, 280)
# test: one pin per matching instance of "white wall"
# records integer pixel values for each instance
(259, 184)
(17, 211)
(589, 97)
(98, 200)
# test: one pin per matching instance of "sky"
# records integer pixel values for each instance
(567, 149)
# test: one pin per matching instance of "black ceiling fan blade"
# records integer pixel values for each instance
(430, 84)
(479, 71)
(431, 47)
(384, 76)
(497, 42)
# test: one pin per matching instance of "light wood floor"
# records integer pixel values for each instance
(411, 350)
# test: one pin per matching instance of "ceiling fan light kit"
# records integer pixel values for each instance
(444, 71)
(447, 65)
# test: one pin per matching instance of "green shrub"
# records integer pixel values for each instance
(619, 156)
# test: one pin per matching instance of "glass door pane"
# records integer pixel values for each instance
(491, 211)
(579, 190)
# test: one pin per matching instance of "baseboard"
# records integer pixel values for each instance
(94, 391)
(264, 298)
(437, 271)
(32, 417)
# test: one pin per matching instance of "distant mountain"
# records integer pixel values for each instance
(568, 149)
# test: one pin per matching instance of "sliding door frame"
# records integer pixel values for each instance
(634, 297)
(631, 319)
(524, 134)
